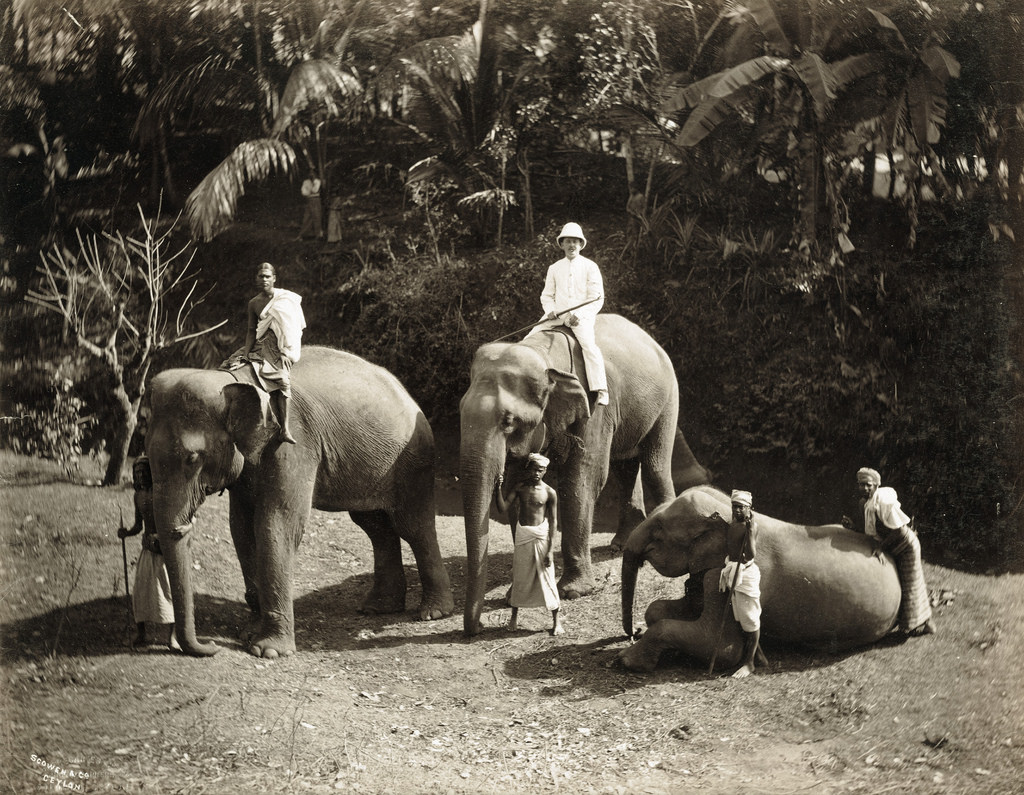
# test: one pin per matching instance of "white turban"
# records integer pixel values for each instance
(868, 475)
(742, 498)
(539, 460)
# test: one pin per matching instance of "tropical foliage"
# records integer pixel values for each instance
(795, 170)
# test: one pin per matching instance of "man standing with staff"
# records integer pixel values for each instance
(742, 578)
(573, 295)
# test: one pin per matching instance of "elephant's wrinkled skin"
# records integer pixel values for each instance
(521, 399)
(363, 446)
(820, 586)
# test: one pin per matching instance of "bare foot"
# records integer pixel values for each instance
(743, 672)
(558, 629)
(513, 626)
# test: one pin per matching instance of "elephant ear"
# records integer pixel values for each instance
(250, 422)
(567, 403)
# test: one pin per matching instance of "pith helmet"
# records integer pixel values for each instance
(572, 230)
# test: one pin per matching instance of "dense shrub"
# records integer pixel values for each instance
(45, 416)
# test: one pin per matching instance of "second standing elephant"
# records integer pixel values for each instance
(523, 398)
(363, 445)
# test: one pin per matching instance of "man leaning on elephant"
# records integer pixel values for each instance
(890, 527)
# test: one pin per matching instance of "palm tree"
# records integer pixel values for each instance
(273, 121)
(794, 79)
(475, 99)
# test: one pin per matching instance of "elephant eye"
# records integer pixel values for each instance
(508, 422)
(192, 458)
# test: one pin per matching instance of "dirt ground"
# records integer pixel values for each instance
(389, 704)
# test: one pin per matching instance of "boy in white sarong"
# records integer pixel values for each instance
(533, 568)
(273, 342)
(151, 597)
(742, 576)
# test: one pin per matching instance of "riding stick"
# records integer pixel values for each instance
(557, 314)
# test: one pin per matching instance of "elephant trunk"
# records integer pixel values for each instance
(480, 464)
(631, 564)
(174, 546)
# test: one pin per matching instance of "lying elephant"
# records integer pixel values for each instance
(363, 445)
(820, 586)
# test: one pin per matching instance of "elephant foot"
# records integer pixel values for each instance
(634, 659)
(433, 609)
(575, 587)
(273, 646)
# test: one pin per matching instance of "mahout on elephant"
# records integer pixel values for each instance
(362, 445)
(821, 586)
(527, 397)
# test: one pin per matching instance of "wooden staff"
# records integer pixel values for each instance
(124, 560)
(557, 314)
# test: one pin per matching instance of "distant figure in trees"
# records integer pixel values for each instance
(892, 529)
(273, 342)
(334, 219)
(151, 599)
(533, 568)
(312, 216)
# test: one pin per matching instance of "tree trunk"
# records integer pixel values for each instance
(119, 435)
(523, 164)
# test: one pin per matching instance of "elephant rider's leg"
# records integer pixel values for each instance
(594, 360)
(281, 400)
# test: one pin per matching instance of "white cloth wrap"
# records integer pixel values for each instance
(883, 505)
(152, 598)
(533, 583)
(746, 599)
(283, 315)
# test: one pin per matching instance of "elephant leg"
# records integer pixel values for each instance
(278, 528)
(697, 639)
(630, 511)
(388, 592)
(585, 476)
(415, 523)
(656, 461)
(241, 518)
(688, 608)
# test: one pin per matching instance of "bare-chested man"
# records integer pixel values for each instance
(742, 577)
(533, 569)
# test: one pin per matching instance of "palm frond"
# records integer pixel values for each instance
(722, 84)
(887, 24)
(212, 205)
(313, 82)
(214, 83)
(940, 62)
(820, 82)
(765, 20)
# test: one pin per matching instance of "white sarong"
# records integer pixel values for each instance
(533, 583)
(746, 598)
(152, 598)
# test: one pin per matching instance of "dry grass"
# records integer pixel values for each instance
(388, 704)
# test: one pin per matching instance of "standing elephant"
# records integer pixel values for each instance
(363, 445)
(820, 586)
(523, 398)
